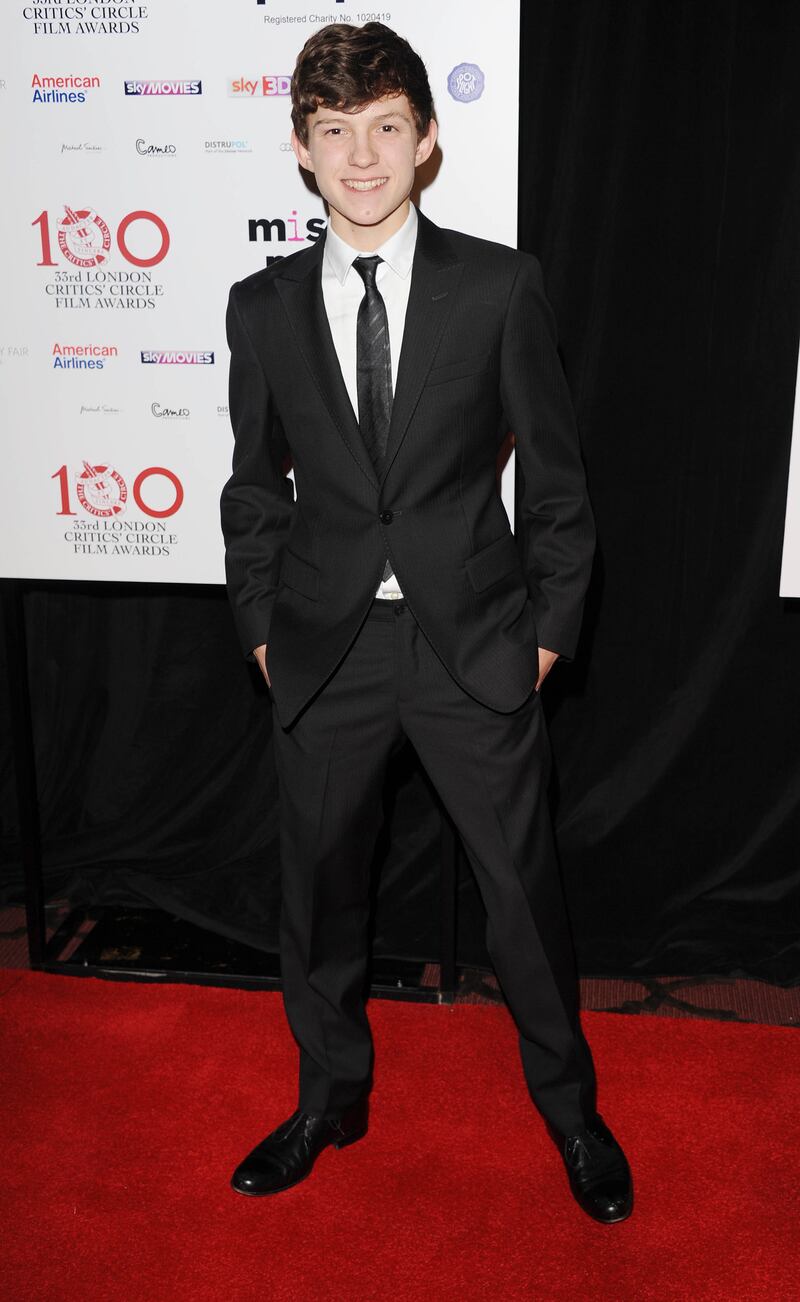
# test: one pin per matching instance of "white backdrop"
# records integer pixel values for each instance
(148, 157)
(790, 570)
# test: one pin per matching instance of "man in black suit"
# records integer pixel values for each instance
(389, 598)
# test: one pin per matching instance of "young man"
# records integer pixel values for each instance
(390, 599)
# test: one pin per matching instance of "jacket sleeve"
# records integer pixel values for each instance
(258, 500)
(554, 519)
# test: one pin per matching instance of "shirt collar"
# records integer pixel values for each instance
(397, 252)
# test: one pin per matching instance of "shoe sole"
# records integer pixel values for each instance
(344, 1142)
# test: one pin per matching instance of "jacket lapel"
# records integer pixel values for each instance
(299, 285)
(434, 279)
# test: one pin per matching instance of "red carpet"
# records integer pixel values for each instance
(126, 1106)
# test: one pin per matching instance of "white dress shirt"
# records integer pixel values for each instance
(343, 290)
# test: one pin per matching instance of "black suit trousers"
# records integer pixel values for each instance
(491, 771)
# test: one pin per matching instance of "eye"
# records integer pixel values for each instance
(387, 126)
(333, 131)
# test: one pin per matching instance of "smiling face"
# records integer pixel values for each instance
(364, 164)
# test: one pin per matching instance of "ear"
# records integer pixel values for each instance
(301, 152)
(425, 145)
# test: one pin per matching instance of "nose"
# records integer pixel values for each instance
(362, 151)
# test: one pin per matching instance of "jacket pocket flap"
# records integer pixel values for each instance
(493, 562)
(299, 575)
(455, 370)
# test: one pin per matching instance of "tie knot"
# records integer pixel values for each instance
(366, 268)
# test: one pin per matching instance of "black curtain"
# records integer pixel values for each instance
(659, 185)
(661, 191)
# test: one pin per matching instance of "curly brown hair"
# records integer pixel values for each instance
(343, 67)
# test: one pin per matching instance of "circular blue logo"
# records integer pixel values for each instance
(466, 82)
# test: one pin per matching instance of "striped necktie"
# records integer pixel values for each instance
(373, 368)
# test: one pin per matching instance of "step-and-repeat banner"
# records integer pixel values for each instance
(790, 570)
(147, 166)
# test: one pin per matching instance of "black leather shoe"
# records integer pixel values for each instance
(599, 1175)
(288, 1155)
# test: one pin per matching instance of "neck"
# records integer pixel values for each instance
(366, 239)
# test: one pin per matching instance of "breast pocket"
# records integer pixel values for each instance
(459, 370)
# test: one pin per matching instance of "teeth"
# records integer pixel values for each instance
(365, 185)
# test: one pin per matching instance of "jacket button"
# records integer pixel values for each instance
(386, 517)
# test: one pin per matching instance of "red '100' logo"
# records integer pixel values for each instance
(102, 492)
(85, 239)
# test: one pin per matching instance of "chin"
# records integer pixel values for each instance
(366, 213)
(371, 218)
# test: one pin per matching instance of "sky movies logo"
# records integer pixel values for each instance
(163, 87)
(169, 357)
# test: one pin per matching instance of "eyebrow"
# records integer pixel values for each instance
(346, 117)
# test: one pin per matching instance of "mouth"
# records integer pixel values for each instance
(374, 183)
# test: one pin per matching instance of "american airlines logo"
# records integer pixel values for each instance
(62, 90)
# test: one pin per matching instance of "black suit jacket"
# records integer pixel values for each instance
(478, 359)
